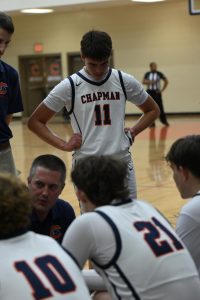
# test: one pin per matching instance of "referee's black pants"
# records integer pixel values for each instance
(157, 96)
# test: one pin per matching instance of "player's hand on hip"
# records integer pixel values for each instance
(130, 134)
(74, 142)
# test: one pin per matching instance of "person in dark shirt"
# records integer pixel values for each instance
(10, 97)
(50, 216)
(153, 80)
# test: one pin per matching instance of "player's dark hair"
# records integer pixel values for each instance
(15, 206)
(96, 45)
(101, 178)
(50, 162)
(6, 23)
(153, 66)
(152, 63)
(185, 152)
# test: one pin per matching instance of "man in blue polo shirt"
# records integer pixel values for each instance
(10, 96)
(51, 216)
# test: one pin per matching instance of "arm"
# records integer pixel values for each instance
(38, 124)
(80, 228)
(15, 103)
(8, 119)
(147, 81)
(187, 229)
(95, 243)
(93, 280)
(165, 84)
(150, 112)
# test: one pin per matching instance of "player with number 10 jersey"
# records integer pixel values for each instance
(38, 269)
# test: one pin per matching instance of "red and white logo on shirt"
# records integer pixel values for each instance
(3, 88)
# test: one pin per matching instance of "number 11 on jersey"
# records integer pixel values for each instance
(102, 111)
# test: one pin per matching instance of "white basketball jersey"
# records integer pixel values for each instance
(188, 227)
(149, 261)
(36, 267)
(98, 110)
(136, 251)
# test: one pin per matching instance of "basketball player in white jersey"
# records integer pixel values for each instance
(184, 160)
(32, 266)
(96, 98)
(132, 246)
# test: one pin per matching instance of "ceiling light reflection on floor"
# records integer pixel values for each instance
(147, 1)
(37, 11)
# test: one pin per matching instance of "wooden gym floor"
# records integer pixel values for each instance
(154, 177)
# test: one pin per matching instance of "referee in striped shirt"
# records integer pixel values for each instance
(153, 81)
